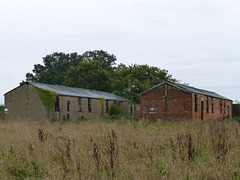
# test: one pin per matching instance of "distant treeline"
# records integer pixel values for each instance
(98, 70)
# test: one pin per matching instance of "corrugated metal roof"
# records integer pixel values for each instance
(79, 92)
(189, 89)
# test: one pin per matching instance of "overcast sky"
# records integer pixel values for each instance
(198, 42)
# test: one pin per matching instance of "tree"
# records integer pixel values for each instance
(96, 70)
(54, 69)
(132, 80)
(107, 61)
(89, 75)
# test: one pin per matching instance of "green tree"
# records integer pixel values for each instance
(56, 65)
(89, 75)
(96, 70)
(107, 61)
(54, 68)
(131, 80)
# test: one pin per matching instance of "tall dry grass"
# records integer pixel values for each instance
(120, 150)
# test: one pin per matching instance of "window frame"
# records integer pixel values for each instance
(89, 105)
(68, 109)
(57, 104)
(207, 103)
(195, 103)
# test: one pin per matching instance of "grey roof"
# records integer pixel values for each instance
(189, 89)
(79, 92)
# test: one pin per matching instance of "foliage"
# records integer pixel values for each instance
(56, 65)
(48, 98)
(54, 69)
(131, 80)
(97, 70)
(89, 75)
(107, 61)
(102, 103)
(115, 109)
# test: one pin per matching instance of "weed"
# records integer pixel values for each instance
(96, 157)
(112, 151)
(190, 147)
(120, 150)
(42, 136)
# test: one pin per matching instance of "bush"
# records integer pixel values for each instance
(115, 110)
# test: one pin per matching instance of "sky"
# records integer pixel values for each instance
(198, 42)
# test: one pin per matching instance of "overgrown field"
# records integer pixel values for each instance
(120, 150)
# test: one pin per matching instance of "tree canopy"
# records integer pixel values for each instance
(54, 68)
(107, 61)
(89, 75)
(97, 70)
(131, 80)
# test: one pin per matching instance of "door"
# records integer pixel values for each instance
(201, 110)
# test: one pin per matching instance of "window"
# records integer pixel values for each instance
(57, 104)
(220, 106)
(228, 111)
(224, 107)
(106, 106)
(68, 110)
(212, 105)
(79, 104)
(196, 107)
(207, 106)
(89, 105)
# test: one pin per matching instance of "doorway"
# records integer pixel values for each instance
(68, 109)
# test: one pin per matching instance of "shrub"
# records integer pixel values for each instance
(115, 110)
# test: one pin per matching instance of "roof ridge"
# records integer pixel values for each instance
(71, 87)
(195, 87)
(79, 92)
(190, 89)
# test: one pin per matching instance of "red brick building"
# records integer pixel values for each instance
(174, 102)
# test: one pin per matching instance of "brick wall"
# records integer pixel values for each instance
(211, 113)
(177, 105)
(180, 105)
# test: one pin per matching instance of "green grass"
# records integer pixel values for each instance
(121, 149)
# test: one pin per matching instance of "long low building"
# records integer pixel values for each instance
(174, 101)
(32, 101)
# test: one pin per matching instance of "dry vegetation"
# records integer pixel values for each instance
(120, 150)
